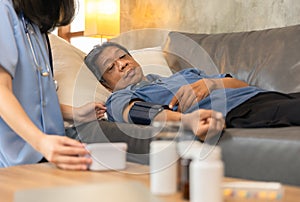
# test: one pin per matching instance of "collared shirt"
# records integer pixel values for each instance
(36, 93)
(160, 90)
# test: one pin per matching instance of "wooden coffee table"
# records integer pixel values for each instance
(46, 176)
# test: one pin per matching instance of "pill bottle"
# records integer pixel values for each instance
(206, 175)
(163, 167)
(185, 177)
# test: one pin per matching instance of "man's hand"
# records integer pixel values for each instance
(64, 152)
(204, 122)
(190, 94)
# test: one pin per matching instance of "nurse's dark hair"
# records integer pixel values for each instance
(47, 14)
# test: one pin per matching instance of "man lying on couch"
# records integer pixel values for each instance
(189, 96)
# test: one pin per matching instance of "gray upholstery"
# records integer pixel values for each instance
(262, 154)
(269, 59)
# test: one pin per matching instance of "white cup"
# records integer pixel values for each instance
(107, 156)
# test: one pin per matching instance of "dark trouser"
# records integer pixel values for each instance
(270, 109)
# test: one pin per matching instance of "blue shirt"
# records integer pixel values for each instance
(160, 90)
(36, 93)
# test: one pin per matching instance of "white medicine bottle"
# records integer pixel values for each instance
(206, 175)
(163, 167)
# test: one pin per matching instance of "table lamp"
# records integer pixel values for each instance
(102, 18)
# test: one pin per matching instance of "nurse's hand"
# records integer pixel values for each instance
(89, 112)
(64, 152)
(85, 113)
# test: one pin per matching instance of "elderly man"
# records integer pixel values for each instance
(189, 96)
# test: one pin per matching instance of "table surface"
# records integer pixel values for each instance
(45, 175)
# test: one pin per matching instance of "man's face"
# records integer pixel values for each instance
(118, 69)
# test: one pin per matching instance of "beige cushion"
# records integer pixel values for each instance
(152, 61)
(142, 38)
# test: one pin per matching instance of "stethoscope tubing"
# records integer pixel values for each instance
(46, 72)
(27, 32)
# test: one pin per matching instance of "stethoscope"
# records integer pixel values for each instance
(30, 31)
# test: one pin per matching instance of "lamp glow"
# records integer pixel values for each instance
(102, 18)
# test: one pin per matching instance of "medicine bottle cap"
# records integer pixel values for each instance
(162, 145)
(188, 149)
(208, 153)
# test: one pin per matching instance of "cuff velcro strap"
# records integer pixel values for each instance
(144, 112)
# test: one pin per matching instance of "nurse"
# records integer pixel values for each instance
(31, 124)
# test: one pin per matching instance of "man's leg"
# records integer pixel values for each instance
(289, 110)
(266, 110)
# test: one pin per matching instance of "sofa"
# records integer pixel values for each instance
(268, 58)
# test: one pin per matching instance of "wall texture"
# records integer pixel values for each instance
(209, 16)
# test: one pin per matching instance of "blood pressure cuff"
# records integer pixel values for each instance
(144, 112)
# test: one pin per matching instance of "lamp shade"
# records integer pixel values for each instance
(102, 18)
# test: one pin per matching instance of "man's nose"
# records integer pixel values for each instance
(121, 64)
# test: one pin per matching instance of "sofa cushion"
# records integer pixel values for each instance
(267, 58)
(262, 154)
(152, 61)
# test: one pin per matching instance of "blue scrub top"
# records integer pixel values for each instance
(160, 90)
(36, 93)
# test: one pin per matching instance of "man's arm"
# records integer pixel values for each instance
(201, 122)
(226, 82)
(190, 94)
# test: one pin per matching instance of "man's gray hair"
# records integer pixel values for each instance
(91, 58)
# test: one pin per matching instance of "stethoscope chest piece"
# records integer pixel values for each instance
(45, 73)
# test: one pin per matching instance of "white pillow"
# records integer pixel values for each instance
(152, 61)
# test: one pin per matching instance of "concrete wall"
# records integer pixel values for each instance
(209, 16)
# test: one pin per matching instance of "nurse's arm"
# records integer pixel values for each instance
(85, 113)
(60, 150)
(12, 112)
